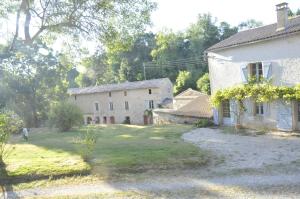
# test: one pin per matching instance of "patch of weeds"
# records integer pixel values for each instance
(202, 123)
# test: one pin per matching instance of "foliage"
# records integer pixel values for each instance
(203, 84)
(9, 124)
(202, 123)
(90, 18)
(259, 92)
(16, 123)
(249, 24)
(32, 79)
(183, 82)
(88, 141)
(293, 14)
(64, 116)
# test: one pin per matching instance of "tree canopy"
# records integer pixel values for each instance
(101, 19)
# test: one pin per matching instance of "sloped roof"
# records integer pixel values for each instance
(189, 93)
(258, 34)
(154, 83)
(197, 105)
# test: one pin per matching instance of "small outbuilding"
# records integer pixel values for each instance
(188, 107)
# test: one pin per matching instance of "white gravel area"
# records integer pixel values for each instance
(242, 152)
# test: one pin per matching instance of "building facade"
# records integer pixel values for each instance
(129, 102)
(272, 52)
(188, 107)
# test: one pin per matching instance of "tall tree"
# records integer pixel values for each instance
(33, 78)
(249, 24)
(102, 19)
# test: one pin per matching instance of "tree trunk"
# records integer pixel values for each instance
(2, 164)
(27, 26)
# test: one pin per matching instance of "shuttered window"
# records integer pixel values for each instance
(256, 70)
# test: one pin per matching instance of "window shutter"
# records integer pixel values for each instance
(146, 104)
(216, 116)
(267, 66)
(244, 73)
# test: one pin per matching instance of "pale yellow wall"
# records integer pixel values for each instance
(136, 99)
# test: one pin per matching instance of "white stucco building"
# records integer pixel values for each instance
(271, 51)
(119, 103)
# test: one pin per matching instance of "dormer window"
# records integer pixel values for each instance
(109, 94)
(150, 91)
(125, 93)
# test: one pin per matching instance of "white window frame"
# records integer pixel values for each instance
(126, 105)
(111, 106)
(151, 104)
(257, 69)
(259, 109)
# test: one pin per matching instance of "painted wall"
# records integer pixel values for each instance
(284, 56)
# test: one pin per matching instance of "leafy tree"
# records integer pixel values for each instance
(64, 116)
(292, 14)
(183, 82)
(9, 124)
(33, 78)
(203, 84)
(226, 30)
(102, 19)
(249, 24)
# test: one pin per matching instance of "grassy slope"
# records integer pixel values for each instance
(119, 148)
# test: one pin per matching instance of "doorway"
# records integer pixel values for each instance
(112, 119)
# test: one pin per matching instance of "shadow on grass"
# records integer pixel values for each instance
(6, 187)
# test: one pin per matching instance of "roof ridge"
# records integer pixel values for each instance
(257, 34)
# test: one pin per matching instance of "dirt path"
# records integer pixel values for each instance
(230, 179)
(243, 183)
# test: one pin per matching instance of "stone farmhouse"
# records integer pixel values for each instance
(188, 107)
(128, 102)
(271, 51)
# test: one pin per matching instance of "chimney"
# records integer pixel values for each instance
(282, 16)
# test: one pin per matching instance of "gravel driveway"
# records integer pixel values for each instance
(242, 152)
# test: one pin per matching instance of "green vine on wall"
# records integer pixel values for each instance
(258, 91)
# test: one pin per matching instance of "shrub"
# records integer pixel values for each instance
(88, 140)
(16, 124)
(203, 84)
(9, 124)
(64, 116)
(202, 123)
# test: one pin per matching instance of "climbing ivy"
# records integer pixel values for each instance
(259, 91)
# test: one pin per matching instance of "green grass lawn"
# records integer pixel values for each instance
(119, 149)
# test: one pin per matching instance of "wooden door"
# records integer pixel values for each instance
(145, 120)
(112, 119)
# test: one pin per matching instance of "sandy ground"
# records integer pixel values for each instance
(265, 166)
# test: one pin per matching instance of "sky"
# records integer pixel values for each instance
(178, 14)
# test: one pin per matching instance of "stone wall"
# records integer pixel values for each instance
(168, 118)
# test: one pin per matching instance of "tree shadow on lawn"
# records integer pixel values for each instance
(66, 142)
(6, 188)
